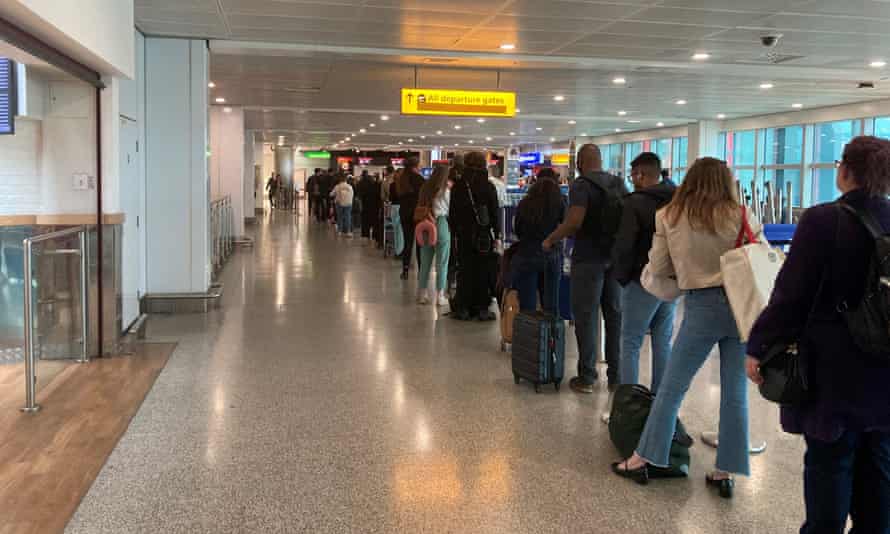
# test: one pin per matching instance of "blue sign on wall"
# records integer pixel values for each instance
(531, 158)
(7, 97)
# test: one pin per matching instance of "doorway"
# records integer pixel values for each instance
(133, 264)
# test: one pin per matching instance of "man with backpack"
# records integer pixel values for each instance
(642, 311)
(594, 216)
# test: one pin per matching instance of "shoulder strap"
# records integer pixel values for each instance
(866, 218)
(745, 231)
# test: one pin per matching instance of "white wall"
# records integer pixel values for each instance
(177, 187)
(247, 190)
(20, 169)
(227, 159)
(98, 33)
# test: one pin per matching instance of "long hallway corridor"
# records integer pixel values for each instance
(321, 398)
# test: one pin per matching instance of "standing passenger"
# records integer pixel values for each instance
(846, 423)
(436, 195)
(593, 218)
(538, 215)
(407, 190)
(700, 225)
(343, 196)
(642, 312)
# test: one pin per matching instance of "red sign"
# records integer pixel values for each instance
(397, 161)
(365, 161)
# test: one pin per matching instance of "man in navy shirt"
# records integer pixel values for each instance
(592, 282)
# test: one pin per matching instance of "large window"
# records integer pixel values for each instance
(662, 148)
(829, 139)
(882, 127)
(612, 158)
(631, 151)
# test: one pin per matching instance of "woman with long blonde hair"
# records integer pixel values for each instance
(436, 197)
(702, 222)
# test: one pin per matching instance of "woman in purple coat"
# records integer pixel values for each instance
(846, 423)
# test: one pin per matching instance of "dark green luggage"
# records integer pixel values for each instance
(630, 409)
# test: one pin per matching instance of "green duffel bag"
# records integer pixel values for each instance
(630, 409)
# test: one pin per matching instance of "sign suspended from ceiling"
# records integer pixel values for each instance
(458, 103)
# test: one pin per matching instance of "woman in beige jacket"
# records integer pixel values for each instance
(702, 222)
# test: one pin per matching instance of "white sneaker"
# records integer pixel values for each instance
(442, 299)
(423, 298)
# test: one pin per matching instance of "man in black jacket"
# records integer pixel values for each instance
(641, 311)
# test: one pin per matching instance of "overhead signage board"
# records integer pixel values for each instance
(316, 154)
(365, 161)
(531, 158)
(458, 103)
(559, 159)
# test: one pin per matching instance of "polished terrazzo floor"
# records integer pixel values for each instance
(321, 399)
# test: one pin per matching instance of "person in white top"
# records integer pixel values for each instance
(343, 195)
(436, 197)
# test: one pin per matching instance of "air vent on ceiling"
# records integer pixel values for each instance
(770, 58)
(440, 60)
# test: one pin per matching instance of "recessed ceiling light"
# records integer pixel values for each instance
(362, 130)
(508, 46)
(617, 130)
(721, 116)
(622, 113)
(384, 117)
(634, 121)
(455, 144)
(797, 106)
(401, 143)
(410, 140)
(220, 100)
(488, 138)
(701, 56)
(512, 133)
(372, 125)
(352, 134)
(480, 121)
(552, 139)
(619, 81)
(423, 137)
(349, 139)
(539, 128)
(211, 85)
(572, 122)
(766, 85)
(559, 98)
(660, 124)
(583, 135)
(227, 110)
(457, 126)
(518, 110)
(471, 141)
(438, 132)
(681, 102)
(878, 63)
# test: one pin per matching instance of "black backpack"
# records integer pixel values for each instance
(869, 320)
(604, 225)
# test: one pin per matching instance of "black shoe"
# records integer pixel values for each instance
(724, 486)
(639, 475)
(404, 274)
(579, 385)
(684, 439)
(462, 315)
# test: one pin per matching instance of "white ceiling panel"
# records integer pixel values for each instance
(274, 8)
(658, 29)
(698, 17)
(182, 5)
(569, 10)
(513, 23)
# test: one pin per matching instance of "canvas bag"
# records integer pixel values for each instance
(749, 274)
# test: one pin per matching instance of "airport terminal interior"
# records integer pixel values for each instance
(193, 339)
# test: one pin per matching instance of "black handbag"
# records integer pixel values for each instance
(483, 240)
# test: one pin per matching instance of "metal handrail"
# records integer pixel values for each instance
(222, 228)
(30, 354)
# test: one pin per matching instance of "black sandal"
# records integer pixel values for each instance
(639, 475)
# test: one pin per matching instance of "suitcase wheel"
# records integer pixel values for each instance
(515, 379)
(537, 388)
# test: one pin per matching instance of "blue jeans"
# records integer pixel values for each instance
(707, 321)
(344, 219)
(642, 312)
(593, 286)
(525, 272)
(848, 477)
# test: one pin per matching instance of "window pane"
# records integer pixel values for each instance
(721, 145)
(831, 137)
(745, 177)
(783, 145)
(631, 151)
(882, 127)
(780, 177)
(662, 147)
(824, 185)
(743, 148)
(612, 157)
(681, 148)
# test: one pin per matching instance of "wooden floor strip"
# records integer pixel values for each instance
(49, 460)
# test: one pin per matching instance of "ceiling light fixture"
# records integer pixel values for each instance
(660, 124)
(721, 116)
(619, 81)
(438, 132)
(552, 139)
(559, 98)
(410, 140)
(384, 117)
(220, 100)
(701, 56)
(488, 138)
(572, 122)
(362, 130)
(401, 143)
(508, 46)
(457, 126)
(622, 113)
(583, 135)
(796, 106)
(423, 137)
(471, 141)
(634, 121)
(878, 64)
(480, 121)
(539, 128)
(455, 144)
(372, 125)
(681, 102)
(512, 133)
(617, 130)
(211, 85)
(766, 85)
(518, 110)
(227, 110)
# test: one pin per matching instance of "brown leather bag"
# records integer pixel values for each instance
(422, 213)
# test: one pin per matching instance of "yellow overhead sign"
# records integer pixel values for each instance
(559, 159)
(458, 103)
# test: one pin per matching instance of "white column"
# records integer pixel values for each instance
(227, 159)
(248, 181)
(703, 137)
(177, 188)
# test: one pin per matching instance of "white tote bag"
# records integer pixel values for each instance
(749, 274)
(664, 288)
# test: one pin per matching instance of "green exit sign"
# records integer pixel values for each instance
(316, 154)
